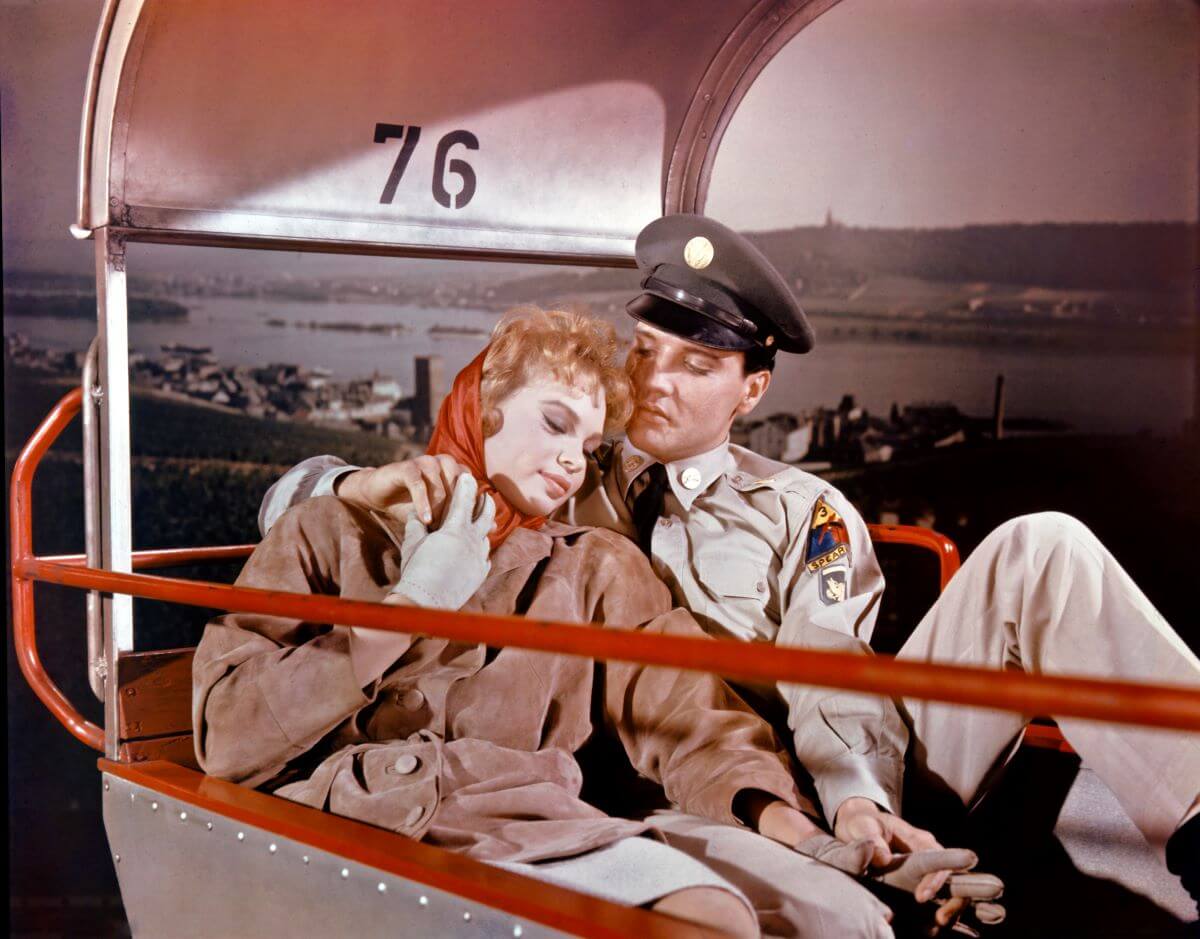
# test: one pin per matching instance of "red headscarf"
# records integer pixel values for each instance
(459, 433)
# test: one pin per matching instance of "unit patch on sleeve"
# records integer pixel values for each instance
(828, 553)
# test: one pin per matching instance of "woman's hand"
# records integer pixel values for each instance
(444, 568)
(418, 486)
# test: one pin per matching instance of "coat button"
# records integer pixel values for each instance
(411, 700)
(690, 478)
(415, 814)
(406, 764)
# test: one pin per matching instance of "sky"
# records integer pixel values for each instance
(891, 113)
(949, 112)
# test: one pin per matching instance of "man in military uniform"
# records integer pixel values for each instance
(763, 551)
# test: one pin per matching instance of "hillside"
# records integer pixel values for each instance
(1128, 272)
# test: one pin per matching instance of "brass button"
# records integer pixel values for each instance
(412, 700)
(406, 764)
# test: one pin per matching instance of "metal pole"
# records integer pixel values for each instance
(115, 497)
(92, 396)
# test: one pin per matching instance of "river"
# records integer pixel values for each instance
(1093, 391)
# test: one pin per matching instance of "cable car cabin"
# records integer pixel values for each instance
(406, 129)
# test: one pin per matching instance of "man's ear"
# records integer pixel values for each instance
(753, 388)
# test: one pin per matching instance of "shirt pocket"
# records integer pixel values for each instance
(737, 572)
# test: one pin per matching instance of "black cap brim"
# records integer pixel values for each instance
(686, 324)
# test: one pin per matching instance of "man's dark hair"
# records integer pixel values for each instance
(758, 359)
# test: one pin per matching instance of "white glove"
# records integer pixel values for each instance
(977, 891)
(445, 567)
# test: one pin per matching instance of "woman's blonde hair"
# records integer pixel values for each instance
(577, 349)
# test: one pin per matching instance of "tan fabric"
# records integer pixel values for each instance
(732, 550)
(793, 895)
(1041, 594)
(468, 748)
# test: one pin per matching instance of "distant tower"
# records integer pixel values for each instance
(830, 221)
(430, 389)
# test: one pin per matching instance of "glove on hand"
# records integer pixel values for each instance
(905, 872)
(444, 568)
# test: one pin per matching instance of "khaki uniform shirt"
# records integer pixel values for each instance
(737, 546)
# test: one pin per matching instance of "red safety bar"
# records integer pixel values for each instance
(20, 511)
(1113, 701)
(943, 547)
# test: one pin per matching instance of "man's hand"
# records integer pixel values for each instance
(897, 858)
(418, 486)
(859, 819)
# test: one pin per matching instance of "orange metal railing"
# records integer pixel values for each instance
(945, 549)
(1113, 701)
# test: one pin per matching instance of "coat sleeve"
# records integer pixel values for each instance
(686, 730)
(306, 480)
(830, 583)
(265, 689)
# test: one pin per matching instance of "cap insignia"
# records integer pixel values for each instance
(698, 253)
(769, 341)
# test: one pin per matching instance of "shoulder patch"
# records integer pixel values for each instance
(835, 583)
(827, 553)
(828, 538)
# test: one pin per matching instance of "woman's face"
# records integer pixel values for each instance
(537, 458)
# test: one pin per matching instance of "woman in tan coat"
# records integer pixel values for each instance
(473, 748)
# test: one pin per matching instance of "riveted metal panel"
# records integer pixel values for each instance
(186, 872)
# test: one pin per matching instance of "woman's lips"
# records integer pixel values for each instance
(556, 485)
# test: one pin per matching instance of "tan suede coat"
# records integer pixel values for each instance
(467, 747)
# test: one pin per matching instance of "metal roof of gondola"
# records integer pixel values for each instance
(544, 130)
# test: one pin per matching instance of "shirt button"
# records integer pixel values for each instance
(760, 586)
(406, 764)
(415, 814)
(690, 477)
(411, 700)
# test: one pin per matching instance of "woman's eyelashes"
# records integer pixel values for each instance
(552, 425)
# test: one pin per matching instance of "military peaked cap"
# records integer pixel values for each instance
(708, 284)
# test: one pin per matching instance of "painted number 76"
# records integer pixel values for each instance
(409, 136)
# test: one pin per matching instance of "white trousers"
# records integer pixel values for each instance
(1042, 595)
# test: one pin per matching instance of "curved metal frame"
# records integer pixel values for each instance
(747, 51)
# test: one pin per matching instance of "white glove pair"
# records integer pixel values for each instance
(444, 568)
